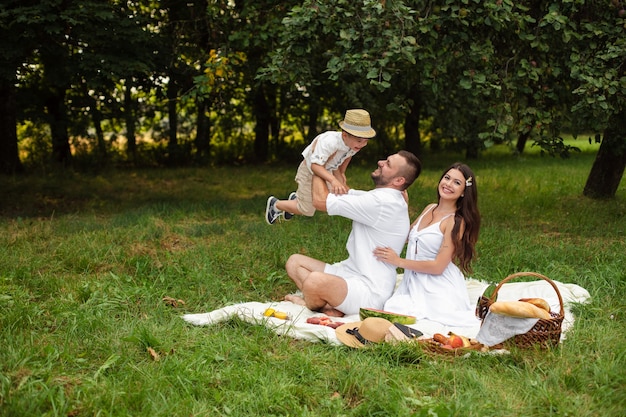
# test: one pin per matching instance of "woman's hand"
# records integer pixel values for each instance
(387, 255)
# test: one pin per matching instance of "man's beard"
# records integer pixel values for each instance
(378, 179)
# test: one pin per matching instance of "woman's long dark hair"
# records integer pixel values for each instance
(466, 212)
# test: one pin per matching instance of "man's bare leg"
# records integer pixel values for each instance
(320, 291)
(327, 309)
(299, 267)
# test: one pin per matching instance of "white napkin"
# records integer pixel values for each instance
(497, 328)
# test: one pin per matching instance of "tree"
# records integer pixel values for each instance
(15, 49)
(598, 63)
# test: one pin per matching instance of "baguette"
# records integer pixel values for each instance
(539, 302)
(519, 309)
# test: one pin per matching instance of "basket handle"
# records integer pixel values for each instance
(532, 274)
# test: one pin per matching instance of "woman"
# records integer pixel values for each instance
(433, 286)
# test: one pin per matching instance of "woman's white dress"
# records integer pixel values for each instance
(441, 298)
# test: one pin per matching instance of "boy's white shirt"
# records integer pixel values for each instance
(327, 149)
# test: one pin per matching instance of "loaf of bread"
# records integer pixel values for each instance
(539, 302)
(519, 309)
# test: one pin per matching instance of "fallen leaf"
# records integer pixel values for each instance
(153, 354)
(172, 302)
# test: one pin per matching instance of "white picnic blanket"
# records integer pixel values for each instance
(297, 327)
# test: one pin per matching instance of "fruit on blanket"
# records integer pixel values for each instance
(519, 309)
(270, 312)
(539, 302)
(324, 321)
(281, 315)
(439, 338)
(392, 317)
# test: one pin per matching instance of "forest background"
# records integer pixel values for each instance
(94, 84)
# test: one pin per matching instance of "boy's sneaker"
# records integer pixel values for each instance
(286, 214)
(271, 212)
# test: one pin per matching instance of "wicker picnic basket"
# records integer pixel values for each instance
(546, 333)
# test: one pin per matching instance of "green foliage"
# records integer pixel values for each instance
(169, 82)
(86, 262)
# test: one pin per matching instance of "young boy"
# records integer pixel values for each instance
(327, 156)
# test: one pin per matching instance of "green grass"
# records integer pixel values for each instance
(86, 261)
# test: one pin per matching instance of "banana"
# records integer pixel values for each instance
(281, 315)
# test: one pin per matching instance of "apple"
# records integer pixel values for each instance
(455, 341)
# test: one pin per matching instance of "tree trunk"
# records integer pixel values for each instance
(58, 120)
(312, 113)
(129, 119)
(472, 150)
(9, 156)
(261, 112)
(203, 132)
(412, 139)
(96, 115)
(608, 167)
(172, 101)
(521, 142)
(273, 118)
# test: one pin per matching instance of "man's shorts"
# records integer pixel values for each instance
(359, 294)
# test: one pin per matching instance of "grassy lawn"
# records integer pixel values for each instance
(85, 262)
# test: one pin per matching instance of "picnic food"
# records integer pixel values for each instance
(324, 321)
(270, 312)
(392, 317)
(281, 315)
(464, 340)
(539, 302)
(521, 309)
(453, 342)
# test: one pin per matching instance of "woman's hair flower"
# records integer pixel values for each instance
(468, 182)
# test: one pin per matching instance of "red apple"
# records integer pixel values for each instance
(455, 341)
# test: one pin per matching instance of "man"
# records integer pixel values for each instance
(379, 218)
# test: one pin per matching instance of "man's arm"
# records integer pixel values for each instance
(320, 193)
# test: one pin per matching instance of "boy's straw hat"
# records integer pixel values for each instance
(357, 122)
